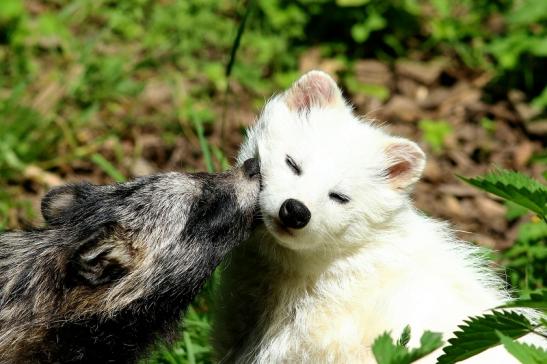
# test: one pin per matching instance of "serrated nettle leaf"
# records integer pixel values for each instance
(537, 300)
(387, 352)
(515, 187)
(405, 336)
(384, 349)
(429, 342)
(478, 334)
(525, 353)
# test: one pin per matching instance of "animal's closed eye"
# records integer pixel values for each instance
(339, 197)
(292, 164)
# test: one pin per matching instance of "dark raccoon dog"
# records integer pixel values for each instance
(116, 265)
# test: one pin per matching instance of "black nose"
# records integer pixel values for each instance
(251, 167)
(294, 214)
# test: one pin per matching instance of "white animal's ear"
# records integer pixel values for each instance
(315, 88)
(405, 163)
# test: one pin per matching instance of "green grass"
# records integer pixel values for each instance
(435, 133)
(194, 345)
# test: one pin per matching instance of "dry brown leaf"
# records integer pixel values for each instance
(426, 73)
(401, 108)
(41, 177)
(369, 71)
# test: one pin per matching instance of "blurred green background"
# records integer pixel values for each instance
(108, 90)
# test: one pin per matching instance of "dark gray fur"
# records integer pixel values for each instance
(116, 265)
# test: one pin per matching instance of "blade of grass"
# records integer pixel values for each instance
(78, 153)
(219, 155)
(189, 348)
(237, 40)
(107, 167)
(167, 355)
(204, 145)
(230, 65)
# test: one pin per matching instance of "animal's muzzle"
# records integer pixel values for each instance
(251, 168)
(294, 214)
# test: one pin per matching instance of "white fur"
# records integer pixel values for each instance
(323, 293)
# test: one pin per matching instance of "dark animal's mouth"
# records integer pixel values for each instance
(257, 219)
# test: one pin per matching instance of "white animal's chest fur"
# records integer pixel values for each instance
(305, 318)
(327, 327)
(330, 311)
(328, 323)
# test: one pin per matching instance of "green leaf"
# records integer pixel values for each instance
(343, 3)
(435, 133)
(531, 232)
(10, 9)
(514, 211)
(537, 300)
(528, 12)
(540, 101)
(515, 187)
(405, 336)
(479, 334)
(384, 349)
(356, 87)
(429, 342)
(525, 353)
(361, 31)
(387, 352)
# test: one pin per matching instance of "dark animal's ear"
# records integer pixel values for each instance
(100, 258)
(60, 200)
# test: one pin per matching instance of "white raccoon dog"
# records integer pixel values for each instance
(343, 255)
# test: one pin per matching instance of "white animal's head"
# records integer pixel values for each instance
(329, 178)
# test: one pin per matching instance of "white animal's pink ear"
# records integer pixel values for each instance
(406, 162)
(315, 88)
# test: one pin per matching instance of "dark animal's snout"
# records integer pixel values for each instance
(294, 214)
(251, 167)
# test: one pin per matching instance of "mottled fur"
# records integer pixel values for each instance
(116, 265)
